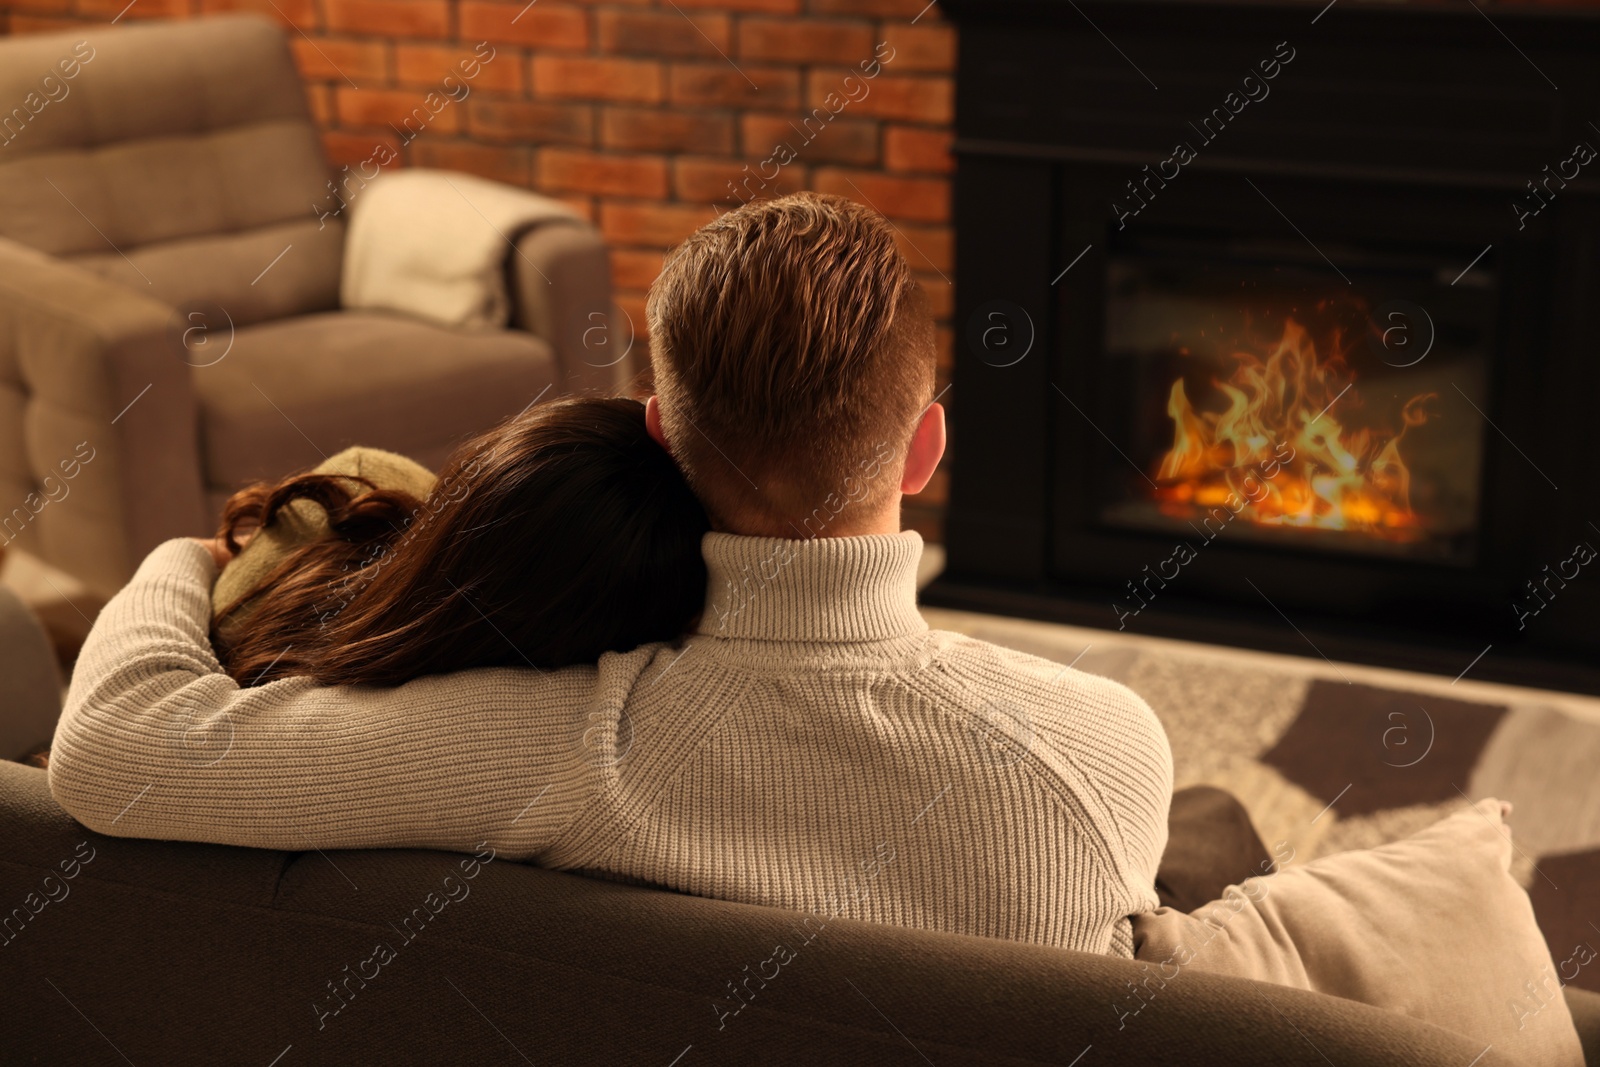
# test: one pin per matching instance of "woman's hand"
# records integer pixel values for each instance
(221, 555)
(218, 547)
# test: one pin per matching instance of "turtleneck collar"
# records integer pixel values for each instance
(821, 589)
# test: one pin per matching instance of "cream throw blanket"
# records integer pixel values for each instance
(434, 244)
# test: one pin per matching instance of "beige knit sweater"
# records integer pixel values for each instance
(813, 746)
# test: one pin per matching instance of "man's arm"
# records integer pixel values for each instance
(1132, 764)
(157, 741)
(1113, 739)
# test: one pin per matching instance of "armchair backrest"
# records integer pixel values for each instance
(175, 157)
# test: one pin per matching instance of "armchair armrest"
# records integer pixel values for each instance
(98, 420)
(30, 684)
(560, 282)
(418, 244)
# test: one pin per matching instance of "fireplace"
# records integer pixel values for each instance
(1321, 417)
(1277, 328)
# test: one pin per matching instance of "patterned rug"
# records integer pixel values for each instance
(1328, 763)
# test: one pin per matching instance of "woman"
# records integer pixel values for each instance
(564, 533)
(561, 534)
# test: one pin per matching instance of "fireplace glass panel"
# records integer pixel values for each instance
(1255, 390)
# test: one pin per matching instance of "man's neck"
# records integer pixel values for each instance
(884, 520)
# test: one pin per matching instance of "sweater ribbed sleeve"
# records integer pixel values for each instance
(814, 746)
(156, 741)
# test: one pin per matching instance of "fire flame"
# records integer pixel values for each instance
(1281, 450)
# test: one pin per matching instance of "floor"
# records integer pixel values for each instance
(1334, 756)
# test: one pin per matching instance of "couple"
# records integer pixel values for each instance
(676, 643)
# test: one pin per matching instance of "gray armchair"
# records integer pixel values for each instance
(169, 297)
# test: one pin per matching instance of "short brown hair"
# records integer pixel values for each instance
(793, 354)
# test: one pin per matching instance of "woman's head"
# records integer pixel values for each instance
(563, 533)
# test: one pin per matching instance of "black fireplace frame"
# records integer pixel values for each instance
(1413, 123)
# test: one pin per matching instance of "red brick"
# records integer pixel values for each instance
(330, 60)
(404, 109)
(521, 121)
(920, 199)
(297, 14)
(23, 24)
(665, 33)
(539, 25)
(631, 304)
(320, 98)
(652, 130)
(584, 78)
(632, 268)
(721, 85)
(41, 6)
(831, 140)
(776, 7)
(651, 225)
(927, 46)
(144, 9)
(915, 149)
(927, 248)
(807, 40)
(709, 180)
(575, 170)
(510, 165)
(351, 149)
(894, 9)
(944, 344)
(908, 98)
(425, 66)
(390, 18)
(582, 205)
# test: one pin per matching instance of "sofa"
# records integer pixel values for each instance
(171, 247)
(116, 950)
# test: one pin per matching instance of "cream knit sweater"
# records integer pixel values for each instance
(814, 746)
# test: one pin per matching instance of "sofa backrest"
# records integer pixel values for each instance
(175, 157)
(182, 953)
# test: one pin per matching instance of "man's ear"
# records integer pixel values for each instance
(927, 448)
(652, 422)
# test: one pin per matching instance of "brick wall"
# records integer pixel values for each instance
(648, 118)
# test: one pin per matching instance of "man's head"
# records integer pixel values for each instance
(794, 368)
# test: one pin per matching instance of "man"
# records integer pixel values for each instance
(813, 746)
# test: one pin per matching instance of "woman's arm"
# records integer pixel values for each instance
(156, 741)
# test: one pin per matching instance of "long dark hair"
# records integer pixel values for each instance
(564, 533)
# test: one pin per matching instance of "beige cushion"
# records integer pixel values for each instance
(289, 394)
(154, 79)
(1432, 926)
(220, 270)
(182, 151)
(305, 520)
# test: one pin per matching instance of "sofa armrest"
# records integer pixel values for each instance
(98, 449)
(30, 684)
(560, 281)
(253, 937)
